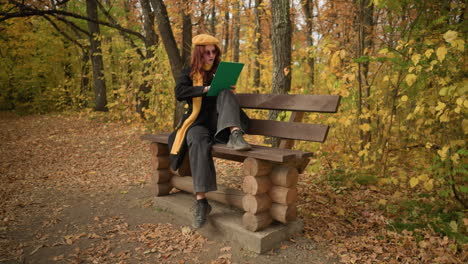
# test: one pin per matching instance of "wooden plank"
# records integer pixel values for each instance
(158, 138)
(289, 143)
(259, 152)
(289, 130)
(288, 102)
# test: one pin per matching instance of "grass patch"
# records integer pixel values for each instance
(419, 214)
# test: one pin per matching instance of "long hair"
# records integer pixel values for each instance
(197, 61)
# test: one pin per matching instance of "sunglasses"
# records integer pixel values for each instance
(210, 52)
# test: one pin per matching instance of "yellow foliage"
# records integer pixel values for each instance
(363, 153)
(440, 106)
(383, 51)
(342, 53)
(444, 117)
(443, 152)
(410, 79)
(441, 52)
(415, 58)
(423, 177)
(459, 44)
(428, 53)
(450, 36)
(404, 98)
(365, 127)
(455, 157)
(465, 126)
(335, 60)
(413, 182)
(429, 185)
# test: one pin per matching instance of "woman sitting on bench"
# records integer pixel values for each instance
(207, 119)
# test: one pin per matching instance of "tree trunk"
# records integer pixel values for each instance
(226, 29)
(258, 43)
(167, 37)
(84, 87)
(170, 45)
(186, 53)
(365, 27)
(308, 7)
(213, 18)
(281, 46)
(100, 96)
(186, 34)
(151, 41)
(236, 31)
(113, 63)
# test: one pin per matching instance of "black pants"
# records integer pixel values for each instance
(200, 140)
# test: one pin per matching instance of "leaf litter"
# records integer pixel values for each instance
(46, 158)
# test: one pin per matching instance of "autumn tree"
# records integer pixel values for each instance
(96, 57)
(236, 30)
(308, 10)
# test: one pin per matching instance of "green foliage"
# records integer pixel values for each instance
(419, 213)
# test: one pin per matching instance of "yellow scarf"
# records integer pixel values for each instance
(196, 106)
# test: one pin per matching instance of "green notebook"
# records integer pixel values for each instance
(225, 76)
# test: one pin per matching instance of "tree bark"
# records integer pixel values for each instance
(170, 45)
(100, 95)
(236, 31)
(258, 43)
(281, 46)
(213, 18)
(308, 8)
(151, 41)
(186, 34)
(365, 27)
(167, 37)
(226, 29)
(84, 85)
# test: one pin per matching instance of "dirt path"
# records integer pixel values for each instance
(76, 191)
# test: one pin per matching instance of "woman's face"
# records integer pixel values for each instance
(209, 55)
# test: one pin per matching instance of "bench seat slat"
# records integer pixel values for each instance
(288, 102)
(259, 152)
(289, 130)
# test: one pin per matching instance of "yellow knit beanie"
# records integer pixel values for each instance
(204, 39)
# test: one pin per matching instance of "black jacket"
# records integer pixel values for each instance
(185, 91)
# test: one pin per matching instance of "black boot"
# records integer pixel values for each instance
(237, 141)
(202, 210)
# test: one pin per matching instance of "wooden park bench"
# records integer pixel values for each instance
(270, 173)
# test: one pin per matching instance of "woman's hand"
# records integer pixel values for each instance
(233, 89)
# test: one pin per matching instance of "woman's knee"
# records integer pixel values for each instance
(225, 92)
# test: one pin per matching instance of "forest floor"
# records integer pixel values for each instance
(76, 190)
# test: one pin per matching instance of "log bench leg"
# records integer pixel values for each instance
(270, 193)
(256, 201)
(283, 193)
(160, 174)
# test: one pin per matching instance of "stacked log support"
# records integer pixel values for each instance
(256, 201)
(270, 193)
(283, 193)
(161, 174)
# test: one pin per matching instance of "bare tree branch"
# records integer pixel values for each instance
(26, 11)
(112, 20)
(73, 26)
(63, 33)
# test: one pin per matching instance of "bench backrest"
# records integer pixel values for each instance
(299, 104)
